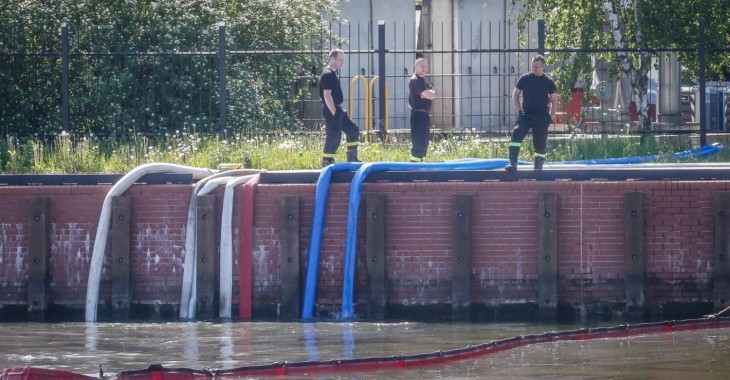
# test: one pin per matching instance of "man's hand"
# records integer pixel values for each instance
(329, 101)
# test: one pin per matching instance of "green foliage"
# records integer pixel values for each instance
(151, 67)
(644, 24)
(640, 25)
(675, 24)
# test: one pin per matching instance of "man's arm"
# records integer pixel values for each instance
(516, 99)
(329, 101)
(553, 104)
(429, 94)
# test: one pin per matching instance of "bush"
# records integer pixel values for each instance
(151, 67)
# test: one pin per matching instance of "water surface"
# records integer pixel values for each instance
(116, 347)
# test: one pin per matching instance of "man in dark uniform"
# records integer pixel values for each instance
(420, 97)
(335, 118)
(536, 112)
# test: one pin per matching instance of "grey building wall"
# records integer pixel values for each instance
(361, 32)
(484, 93)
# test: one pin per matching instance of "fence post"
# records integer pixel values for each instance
(222, 73)
(541, 37)
(381, 82)
(64, 77)
(702, 52)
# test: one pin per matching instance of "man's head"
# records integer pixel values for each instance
(538, 65)
(421, 66)
(337, 58)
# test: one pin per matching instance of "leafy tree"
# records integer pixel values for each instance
(150, 66)
(631, 28)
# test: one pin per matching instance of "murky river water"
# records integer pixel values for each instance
(82, 348)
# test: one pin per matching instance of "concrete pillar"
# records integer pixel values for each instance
(669, 108)
(441, 16)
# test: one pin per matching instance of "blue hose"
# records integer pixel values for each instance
(700, 152)
(315, 240)
(364, 169)
(354, 203)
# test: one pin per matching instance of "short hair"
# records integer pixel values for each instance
(334, 53)
(419, 61)
(539, 58)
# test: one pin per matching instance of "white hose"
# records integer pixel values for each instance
(188, 295)
(102, 230)
(225, 298)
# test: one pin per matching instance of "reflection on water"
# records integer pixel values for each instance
(83, 347)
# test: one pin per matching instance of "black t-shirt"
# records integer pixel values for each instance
(329, 81)
(417, 85)
(536, 92)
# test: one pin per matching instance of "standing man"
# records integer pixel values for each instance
(420, 97)
(536, 112)
(335, 118)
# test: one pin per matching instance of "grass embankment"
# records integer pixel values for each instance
(285, 151)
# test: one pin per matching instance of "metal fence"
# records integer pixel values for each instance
(193, 91)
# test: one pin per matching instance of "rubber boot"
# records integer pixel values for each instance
(352, 154)
(514, 152)
(538, 163)
(326, 161)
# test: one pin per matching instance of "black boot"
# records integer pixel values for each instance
(352, 154)
(514, 152)
(538, 163)
(326, 161)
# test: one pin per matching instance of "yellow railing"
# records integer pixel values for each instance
(369, 90)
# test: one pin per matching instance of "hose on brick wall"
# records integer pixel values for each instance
(354, 206)
(225, 297)
(203, 187)
(322, 188)
(363, 170)
(208, 180)
(102, 230)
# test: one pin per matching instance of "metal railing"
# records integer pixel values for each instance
(474, 85)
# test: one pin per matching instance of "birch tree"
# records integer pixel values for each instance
(628, 30)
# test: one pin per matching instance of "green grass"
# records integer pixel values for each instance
(285, 151)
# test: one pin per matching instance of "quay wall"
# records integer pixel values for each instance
(678, 246)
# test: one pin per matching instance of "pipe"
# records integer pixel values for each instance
(188, 291)
(463, 164)
(204, 186)
(102, 230)
(315, 240)
(245, 271)
(225, 297)
(322, 189)
(703, 151)
(354, 203)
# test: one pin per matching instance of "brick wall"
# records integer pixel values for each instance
(678, 242)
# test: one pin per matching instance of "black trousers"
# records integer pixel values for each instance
(334, 126)
(539, 125)
(420, 132)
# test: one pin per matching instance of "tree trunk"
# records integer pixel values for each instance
(640, 98)
(637, 73)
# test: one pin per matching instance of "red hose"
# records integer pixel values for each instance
(245, 265)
